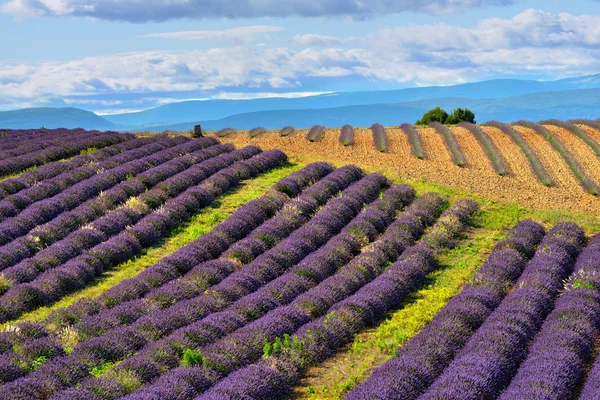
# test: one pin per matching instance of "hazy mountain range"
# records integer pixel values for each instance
(504, 100)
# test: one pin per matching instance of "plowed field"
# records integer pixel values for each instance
(478, 177)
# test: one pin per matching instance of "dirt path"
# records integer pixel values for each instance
(580, 150)
(478, 177)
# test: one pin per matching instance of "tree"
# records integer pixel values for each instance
(441, 116)
(436, 114)
(460, 115)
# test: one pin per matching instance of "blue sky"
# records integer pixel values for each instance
(113, 55)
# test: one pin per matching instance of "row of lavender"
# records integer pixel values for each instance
(163, 321)
(111, 187)
(535, 343)
(50, 179)
(103, 312)
(129, 229)
(18, 142)
(202, 274)
(22, 211)
(249, 304)
(42, 237)
(70, 144)
(299, 278)
(147, 178)
(347, 303)
(29, 178)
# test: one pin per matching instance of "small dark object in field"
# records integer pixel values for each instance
(197, 132)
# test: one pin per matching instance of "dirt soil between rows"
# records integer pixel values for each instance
(477, 177)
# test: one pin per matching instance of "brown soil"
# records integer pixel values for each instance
(551, 160)
(478, 177)
(580, 150)
(515, 160)
(471, 149)
(591, 131)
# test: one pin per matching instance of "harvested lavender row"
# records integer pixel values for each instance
(488, 146)
(534, 162)
(557, 358)
(14, 204)
(594, 124)
(484, 367)
(380, 138)
(203, 273)
(577, 131)
(315, 133)
(254, 132)
(272, 377)
(451, 143)
(420, 361)
(347, 135)
(118, 344)
(337, 251)
(235, 227)
(415, 141)
(40, 240)
(286, 131)
(83, 269)
(586, 182)
(225, 132)
(66, 149)
(74, 195)
(50, 170)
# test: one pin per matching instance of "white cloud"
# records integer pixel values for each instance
(313, 40)
(97, 102)
(241, 33)
(264, 95)
(531, 43)
(115, 111)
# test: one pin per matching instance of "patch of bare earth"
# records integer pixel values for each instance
(478, 177)
(591, 131)
(580, 150)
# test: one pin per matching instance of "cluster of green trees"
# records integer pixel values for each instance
(441, 116)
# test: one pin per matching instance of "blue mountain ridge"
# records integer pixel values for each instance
(502, 99)
(563, 105)
(218, 109)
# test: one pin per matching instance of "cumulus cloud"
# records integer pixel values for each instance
(531, 43)
(264, 95)
(240, 33)
(314, 40)
(163, 10)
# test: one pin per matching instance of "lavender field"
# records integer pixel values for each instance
(170, 267)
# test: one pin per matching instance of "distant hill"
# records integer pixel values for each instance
(67, 117)
(218, 109)
(503, 99)
(562, 105)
